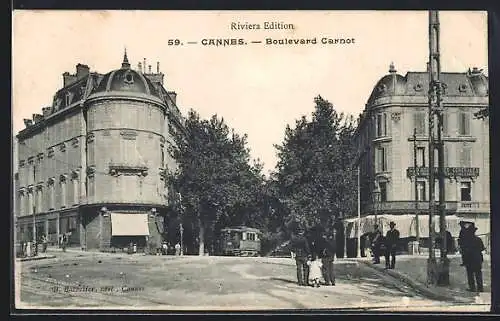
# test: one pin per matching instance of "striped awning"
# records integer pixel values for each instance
(407, 224)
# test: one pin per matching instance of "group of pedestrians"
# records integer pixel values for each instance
(386, 246)
(314, 255)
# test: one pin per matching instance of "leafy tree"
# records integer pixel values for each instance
(219, 186)
(313, 177)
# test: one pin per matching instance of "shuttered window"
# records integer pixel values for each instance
(419, 123)
(464, 124)
(465, 156)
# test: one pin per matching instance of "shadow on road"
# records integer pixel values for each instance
(283, 280)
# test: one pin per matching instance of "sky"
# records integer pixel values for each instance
(258, 89)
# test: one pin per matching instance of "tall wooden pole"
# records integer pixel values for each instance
(417, 223)
(433, 76)
(439, 273)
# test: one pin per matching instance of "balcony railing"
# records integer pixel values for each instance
(448, 171)
(424, 206)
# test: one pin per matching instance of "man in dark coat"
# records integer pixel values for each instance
(473, 261)
(462, 238)
(328, 249)
(300, 246)
(376, 244)
(391, 241)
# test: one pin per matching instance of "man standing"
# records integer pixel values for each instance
(391, 241)
(462, 238)
(328, 247)
(300, 247)
(44, 243)
(376, 244)
(473, 260)
(177, 249)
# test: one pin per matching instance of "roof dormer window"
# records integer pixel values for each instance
(129, 78)
(68, 98)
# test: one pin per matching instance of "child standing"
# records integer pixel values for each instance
(314, 271)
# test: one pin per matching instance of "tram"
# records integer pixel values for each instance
(239, 241)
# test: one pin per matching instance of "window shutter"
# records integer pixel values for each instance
(445, 124)
(385, 124)
(386, 159)
(467, 124)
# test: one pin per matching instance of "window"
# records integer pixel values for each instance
(162, 158)
(52, 226)
(63, 225)
(465, 157)
(63, 191)
(436, 157)
(419, 122)
(421, 191)
(381, 157)
(436, 190)
(383, 191)
(381, 123)
(30, 202)
(421, 156)
(445, 124)
(464, 124)
(251, 236)
(68, 99)
(75, 190)
(52, 196)
(39, 200)
(465, 192)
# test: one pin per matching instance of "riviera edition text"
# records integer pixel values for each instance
(275, 25)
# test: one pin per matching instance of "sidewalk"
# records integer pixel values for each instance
(412, 270)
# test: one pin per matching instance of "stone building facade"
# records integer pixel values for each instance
(396, 112)
(94, 164)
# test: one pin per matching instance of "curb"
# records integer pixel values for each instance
(35, 258)
(422, 288)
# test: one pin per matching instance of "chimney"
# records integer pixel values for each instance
(139, 67)
(149, 68)
(37, 118)
(144, 66)
(428, 67)
(173, 96)
(28, 122)
(82, 71)
(68, 79)
(157, 67)
(46, 111)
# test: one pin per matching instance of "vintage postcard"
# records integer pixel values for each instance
(251, 160)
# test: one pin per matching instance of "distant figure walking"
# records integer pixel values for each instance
(44, 243)
(64, 241)
(177, 249)
(391, 241)
(473, 260)
(328, 249)
(376, 244)
(315, 266)
(301, 250)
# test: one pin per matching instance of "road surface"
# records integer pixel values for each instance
(115, 281)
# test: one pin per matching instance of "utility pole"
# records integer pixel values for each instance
(436, 274)
(417, 223)
(359, 214)
(34, 204)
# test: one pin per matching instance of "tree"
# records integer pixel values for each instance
(219, 186)
(313, 173)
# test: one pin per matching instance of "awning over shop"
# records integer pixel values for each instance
(406, 224)
(129, 224)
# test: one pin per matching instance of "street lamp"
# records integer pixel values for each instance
(181, 228)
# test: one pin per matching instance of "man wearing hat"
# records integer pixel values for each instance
(473, 260)
(391, 241)
(464, 237)
(300, 247)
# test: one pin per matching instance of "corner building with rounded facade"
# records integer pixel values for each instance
(94, 165)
